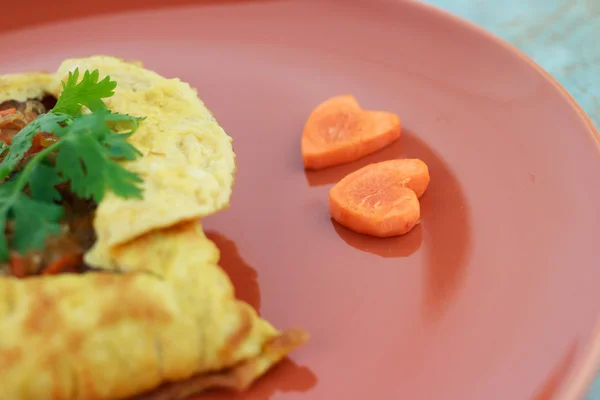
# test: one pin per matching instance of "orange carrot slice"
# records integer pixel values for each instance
(66, 263)
(338, 131)
(380, 199)
(17, 266)
(8, 111)
(409, 172)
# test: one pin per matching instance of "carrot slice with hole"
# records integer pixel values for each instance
(380, 199)
(339, 131)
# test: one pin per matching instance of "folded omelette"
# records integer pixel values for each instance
(153, 316)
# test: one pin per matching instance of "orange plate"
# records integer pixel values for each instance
(495, 296)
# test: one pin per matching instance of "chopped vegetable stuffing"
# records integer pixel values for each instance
(8, 111)
(51, 163)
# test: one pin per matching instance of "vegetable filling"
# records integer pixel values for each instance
(56, 164)
(63, 252)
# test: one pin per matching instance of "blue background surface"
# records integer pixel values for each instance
(563, 36)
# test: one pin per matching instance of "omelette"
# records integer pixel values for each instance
(145, 312)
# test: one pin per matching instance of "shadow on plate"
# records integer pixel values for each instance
(286, 376)
(243, 277)
(445, 216)
(399, 246)
(335, 174)
(446, 220)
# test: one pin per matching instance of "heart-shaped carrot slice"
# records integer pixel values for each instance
(380, 199)
(338, 131)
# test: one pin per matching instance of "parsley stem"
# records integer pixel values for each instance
(22, 182)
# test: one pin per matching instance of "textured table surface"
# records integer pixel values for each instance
(563, 36)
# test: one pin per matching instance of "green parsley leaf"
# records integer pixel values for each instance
(89, 93)
(122, 182)
(119, 148)
(87, 159)
(6, 199)
(116, 142)
(3, 147)
(43, 181)
(77, 161)
(34, 221)
(4, 250)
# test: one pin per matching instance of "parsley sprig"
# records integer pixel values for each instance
(86, 155)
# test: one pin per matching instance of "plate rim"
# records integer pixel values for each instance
(579, 380)
(577, 383)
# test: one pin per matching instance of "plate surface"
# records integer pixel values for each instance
(493, 296)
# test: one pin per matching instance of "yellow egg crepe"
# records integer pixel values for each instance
(21, 87)
(160, 319)
(188, 165)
